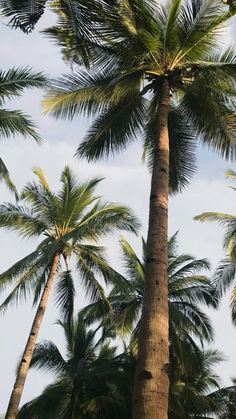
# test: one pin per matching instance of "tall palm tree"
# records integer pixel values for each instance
(188, 289)
(67, 222)
(173, 52)
(87, 381)
(14, 122)
(225, 273)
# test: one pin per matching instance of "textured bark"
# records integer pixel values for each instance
(151, 386)
(30, 345)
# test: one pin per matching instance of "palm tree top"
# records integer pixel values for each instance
(188, 288)
(57, 214)
(86, 381)
(70, 223)
(179, 42)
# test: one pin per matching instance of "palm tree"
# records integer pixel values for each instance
(195, 390)
(188, 289)
(173, 52)
(92, 382)
(225, 273)
(67, 221)
(12, 122)
(87, 381)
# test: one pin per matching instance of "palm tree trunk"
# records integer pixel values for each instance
(13, 405)
(151, 386)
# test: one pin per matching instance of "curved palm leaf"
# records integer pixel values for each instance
(224, 274)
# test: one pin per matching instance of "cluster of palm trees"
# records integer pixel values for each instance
(141, 67)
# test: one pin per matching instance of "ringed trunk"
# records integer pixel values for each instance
(151, 387)
(22, 371)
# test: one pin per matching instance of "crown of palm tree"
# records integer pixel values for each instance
(178, 40)
(188, 288)
(87, 380)
(68, 222)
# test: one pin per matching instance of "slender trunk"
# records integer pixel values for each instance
(151, 385)
(13, 405)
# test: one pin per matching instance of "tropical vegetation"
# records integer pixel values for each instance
(69, 223)
(188, 290)
(89, 382)
(13, 83)
(152, 89)
(140, 348)
(224, 275)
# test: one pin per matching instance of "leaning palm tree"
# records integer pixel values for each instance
(153, 87)
(14, 122)
(88, 380)
(67, 222)
(225, 273)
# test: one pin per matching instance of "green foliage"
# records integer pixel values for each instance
(88, 381)
(92, 381)
(180, 41)
(68, 221)
(24, 14)
(224, 275)
(14, 122)
(188, 288)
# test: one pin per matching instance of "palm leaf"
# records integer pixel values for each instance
(24, 14)
(47, 356)
(14, 81)
(4, 175)
(114, 129)
(65, 293)
(17, 123)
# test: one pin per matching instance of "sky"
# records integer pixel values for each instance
(126, 181)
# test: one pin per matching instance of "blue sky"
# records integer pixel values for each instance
(126, 181)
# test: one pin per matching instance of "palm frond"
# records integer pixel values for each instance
(114, 129)
(19, 218)
(93, 289)
(104, 219)
(26, 280)
(23, 14)
(19, 268)
(199, 25)
(65, 293)
(54, 398)
(47, 357)
(224, 275)
(215, 119)
(5, 176)
(15, 122)
(15, 80)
